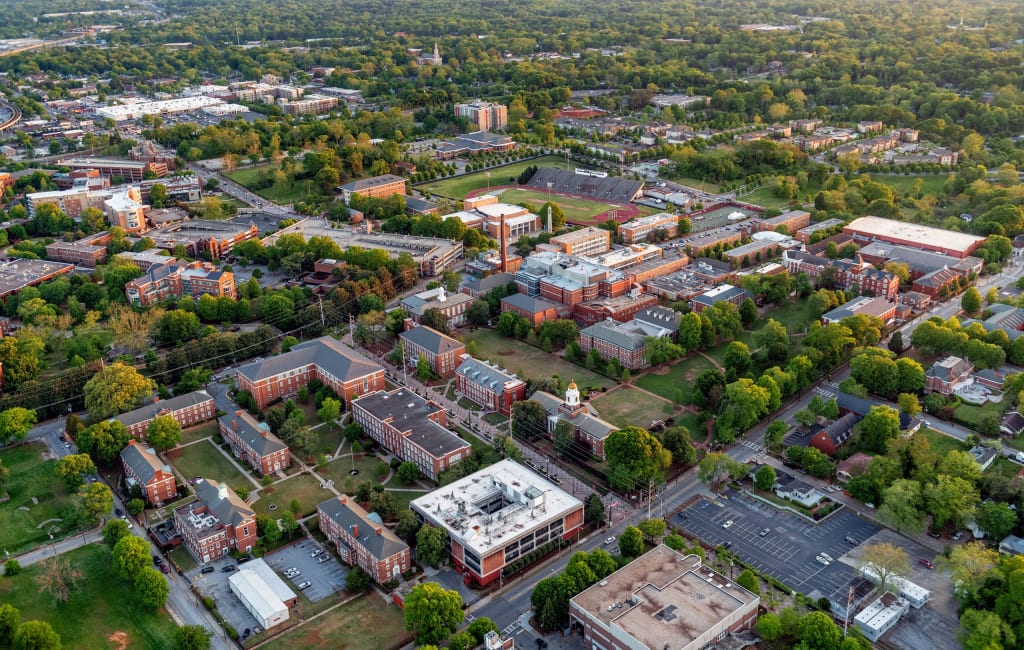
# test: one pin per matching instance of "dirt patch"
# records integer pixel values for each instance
(691, 375)
(118, 640)
(661, 370)
(505, 353)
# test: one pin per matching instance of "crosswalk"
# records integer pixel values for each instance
(750, 444)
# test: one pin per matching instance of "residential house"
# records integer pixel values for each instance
(852, 467)
(1012, 424)
(347, 372)
(187, 410)
(945, 375)
(788, 486)
(144, 468)
(984, 456)
(441, 351)
(835, 435)
(253, 442)
(489, 386)
(216, 523)
(361, 540)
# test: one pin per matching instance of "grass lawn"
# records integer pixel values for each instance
(249, 177)
(707, 186)
(303, 488)
(103, 611)
(363, 624)
(764, 197)
(370, 468)
(665, 380)
(403, 497)
(181, 557)
(496, 419)
(23, 524)
(718, 352)
(478, 443)
(933, 183)
(626, 406)
(199, 432)
(575, 209)
(795, 316)
(457, 187)
(534, 363)
(1004, 467)
(331, 436)
(940, 443)
(207, 460)
(972, 416)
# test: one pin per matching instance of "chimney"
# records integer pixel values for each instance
(263, 433)
(379, 531)
(234, 425)
(238, 413)
(355, 530)
(342, 500)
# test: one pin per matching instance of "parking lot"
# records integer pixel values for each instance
(788, 549)
(325, 578)
(215, 585)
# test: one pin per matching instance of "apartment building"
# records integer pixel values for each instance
(361, 541)
(144, 468)
(640, 230)
(491, 387)
(848, 273)
(412, 428)
(176, 278)
(216, 523)
(347, 372)
(187, 410)
(484, 115)
(585, 241)
(254, 443)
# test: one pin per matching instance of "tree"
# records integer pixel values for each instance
(764, 480)
(901, 506)
(431, 546)
(960, 464)
(896, 344)
(480, 627)
(529, 419)
(748, 581)
(908, 404)
(151, 588)
(951, 499)
(432, 612)
(104, 440)
(15, 423)
(996, 519)
(884, 562)
(970, 302)
(10, 618)
(74, 468)
(115, 389)
(652, 528)
(164, 432)
(969, 565)
(775, 433)
(981, 630)
(408, 472)
(180, 325)
(423, 369)
(357, 580)
(36, 635)
(748, 312)
(329, 410)
(715, 467)
(677, 441)
(881, 424)
(593, 510)
(819, 631)
(737, 359)
(563, 437)
(12, 567)
(129, 557)
(434, 318)
(769, 627)
(408, 525)
(659, 349)
(479, 313)
(97, 500)
(114, 530)
(636, 458)
(631, 542)
(58, 578)
(191, 637)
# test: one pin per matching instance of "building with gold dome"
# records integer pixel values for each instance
(588, 427)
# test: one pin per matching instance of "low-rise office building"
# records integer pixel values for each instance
(452, 305)
(498, 515)
(491, 387)
(216, 523)
(441, 352)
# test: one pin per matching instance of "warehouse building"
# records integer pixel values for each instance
(263, 593)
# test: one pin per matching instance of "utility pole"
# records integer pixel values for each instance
(650, 496)
(351, 325)
(846, 619)
(323, 321)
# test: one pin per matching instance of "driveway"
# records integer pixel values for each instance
(325, 578)
(215, 585)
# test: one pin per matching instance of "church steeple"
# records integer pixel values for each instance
(437, 55)
(572, 405)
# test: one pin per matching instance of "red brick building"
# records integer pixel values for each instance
(252, 442)
(489, 386)
(613, 340)
(946, 374)
(216, 523)
(947, 242)
(346, 371)
(412, 428)
(188, 409)
(831, 438)
(933, 283)
(846, 273)
(377, 187)
(362, 542)
(442, 352)
(176, 279)
(536, 311)
(144, 468)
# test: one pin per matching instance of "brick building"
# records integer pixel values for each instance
(489, 386)
(452, 305)
(846, 273)
(216, 523)
(945, 375)
(614, 340)
(253, 443)
(377, 187)
(588, 428)
(175, 279)
(187, 410)
(412, 428)
(144, 468)
(441, 351)
(536, 311)
(88, 251)
(947, 242)
(722, 293)
(585, 241)
(791, 221)
(640, 230)
(362, 542)
(346, 371)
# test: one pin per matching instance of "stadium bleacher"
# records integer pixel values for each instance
(611, 189)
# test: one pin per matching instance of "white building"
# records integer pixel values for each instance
(915, 594)
(878, 617)
(263, 593)
(124, 112)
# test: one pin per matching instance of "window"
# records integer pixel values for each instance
(245, 531)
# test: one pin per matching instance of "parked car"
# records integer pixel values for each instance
(727, 524)
(822, 560)
(208, 569)
(764, 533)
(926, 563)
(323, 558)
(163, 567)
(303, 585)
(157, 561)
(229, 568)
(957, 535)
(933, 534)
(609, 541)
(316, 552)
(850, 539)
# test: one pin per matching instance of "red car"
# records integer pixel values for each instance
(926, 563)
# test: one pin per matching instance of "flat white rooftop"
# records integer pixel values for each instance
(915, 232)
(486, 510)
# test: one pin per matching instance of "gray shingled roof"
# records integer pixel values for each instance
(326, 352)
(528, 303)
(479, 372)
(255, 435)
(618, 334)
(150, 411)
(143, 462)
(229, 507)
(366, 183)
(350, 514)
(409, 412)
(430, 339)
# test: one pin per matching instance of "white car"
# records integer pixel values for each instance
(303, 585)
(727, 524)
(822, 560)
(609, 541)
(316, 552)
